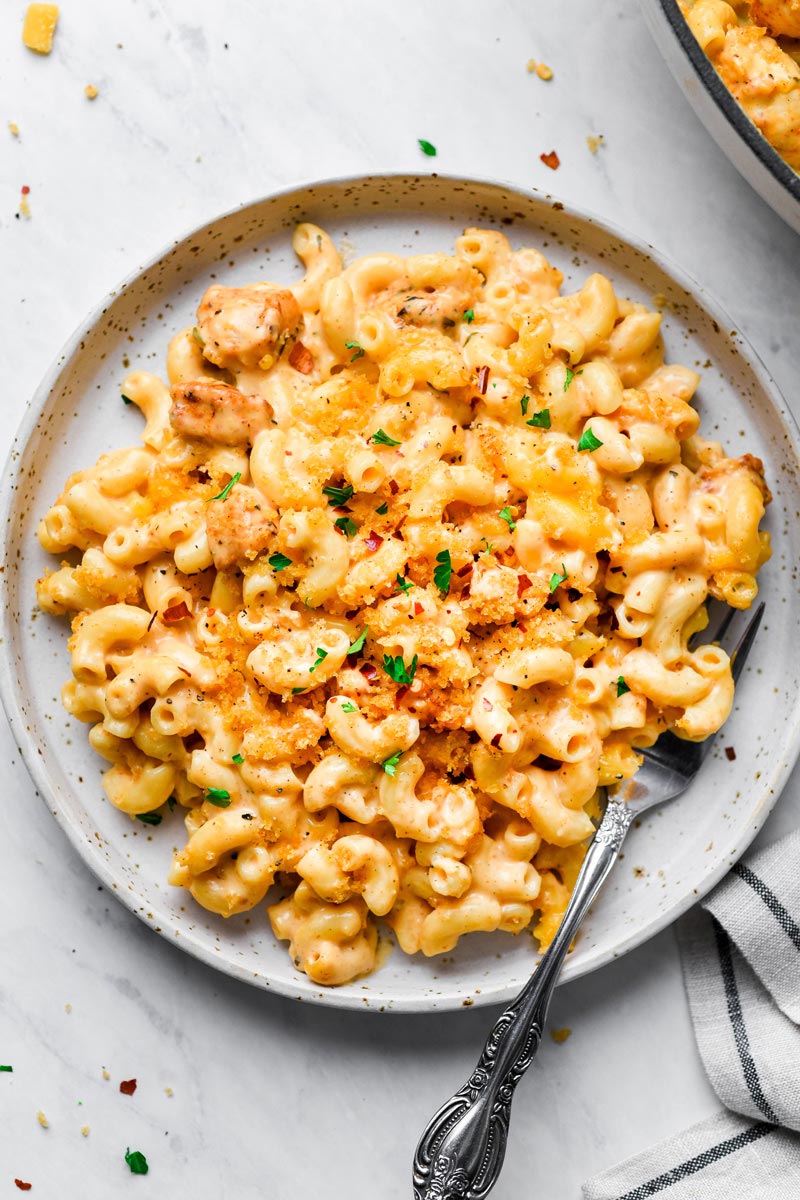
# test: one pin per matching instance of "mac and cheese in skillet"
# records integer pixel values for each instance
(405, 569)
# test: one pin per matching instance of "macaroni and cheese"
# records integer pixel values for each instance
(405, 570)
(755, 48)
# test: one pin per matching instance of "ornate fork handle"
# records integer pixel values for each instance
(460, 1155)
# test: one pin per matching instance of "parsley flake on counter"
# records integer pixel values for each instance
(226, 491)
(338, 495)
(379, 438)
(569, 378)
(405, 585)
(541, 419)
(390, 764)
(622, 686)
(358, 644)
(238, 758)
(505, 515)
(524, 402)
(348, 706)
(589, 441)
(397, 670)
(279, 561)
(382, 509)
(219, 797)
(357, 348)
(469, 315)
(321, 656)
(136, 1161)
(442, 573)
(2, 1068)
(556, 580)
(149, 818)
(126, 399)
(347, 526)
(427, 147)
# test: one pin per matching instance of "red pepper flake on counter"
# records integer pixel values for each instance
(730, 754)
(551, 160)
(23, 1187)
(128, 1087)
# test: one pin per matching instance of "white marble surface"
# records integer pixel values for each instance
(202, 105)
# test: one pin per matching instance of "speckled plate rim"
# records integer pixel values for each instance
(162, 921)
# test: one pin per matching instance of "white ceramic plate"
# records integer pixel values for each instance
(723, 117)
(674, 857)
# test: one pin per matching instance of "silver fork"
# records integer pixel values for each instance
(460, 1154)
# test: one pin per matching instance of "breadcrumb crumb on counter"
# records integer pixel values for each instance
(39, 27)
(13, 129)
(106, 1074)
(539, 68)
(90, 92)
(42, 1119)
(85, 1131)
(24, 203)
(594, 143)
(560, 1035)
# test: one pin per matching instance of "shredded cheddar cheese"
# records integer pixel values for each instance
(40, 27)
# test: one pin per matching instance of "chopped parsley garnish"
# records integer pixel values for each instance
(149, 818)
(589, 441)
(226, 491)
(489, 547)
(555, 580)
(348, 706)
(397, 670)
(524, 402)
(390, 764)
(382, 439)
(568, 378)
(347, 526)
(357, 348)
(405, 585)
(2, 1068)
(338, 495)
(622, 686)
(297, 691)
(136, 1161)
(238, 758)
(358, 644)
(469, 315)
(126, 399)
(171, 802)
(427, 147)
(279, 561)
(505, 515)
(541, 420)
(218, 797)
(382, 509)
(442, 573)
(321, 656)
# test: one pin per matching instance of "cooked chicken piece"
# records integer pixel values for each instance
(217, 412)
(781, 17)
(240, 526)
(240, 326)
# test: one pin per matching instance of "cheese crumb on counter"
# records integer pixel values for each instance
(90, 92)
(541, 69)
(39, 27)
(560, 1035)
(85, 1131)
(42, 1119)
(13, 129)
(594, 143)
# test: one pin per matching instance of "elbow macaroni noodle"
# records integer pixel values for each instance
(405, 571)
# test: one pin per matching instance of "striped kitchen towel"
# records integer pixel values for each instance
(740, 952)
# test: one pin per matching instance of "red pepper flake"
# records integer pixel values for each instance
(373, 541)
(483, 380)
(465, 570)
(23, 1187)
(188, 674)
(487, 704)
(418, 608)
(300, 358)
(394, 488)
(730, 754)
(400, 695)
(369, 672)
(523, 583)
(128, 1087)
(26, 191)
(522, 626)
(551, 160)
(177, 612)
(496, 740)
